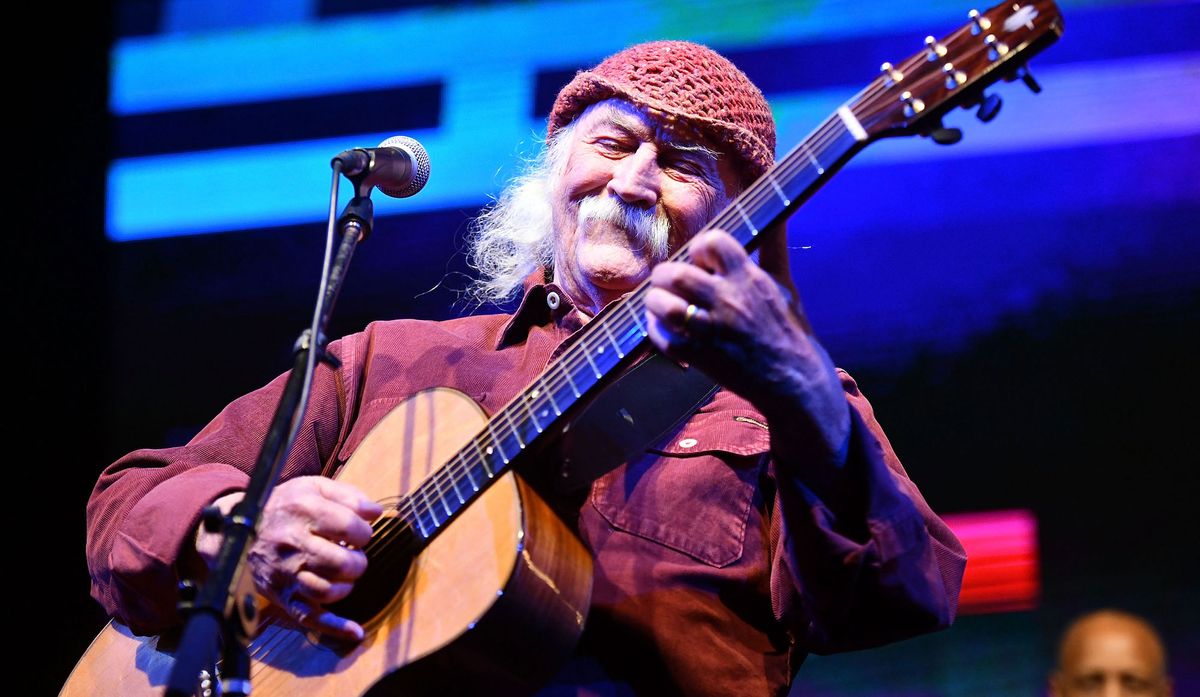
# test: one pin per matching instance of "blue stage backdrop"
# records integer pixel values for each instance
(1081, 201)
(226, 114)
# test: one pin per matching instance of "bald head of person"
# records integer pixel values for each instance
(1109, 653)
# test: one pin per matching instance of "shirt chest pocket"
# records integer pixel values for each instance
(693, 496)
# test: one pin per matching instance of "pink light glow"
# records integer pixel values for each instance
(1002, 561)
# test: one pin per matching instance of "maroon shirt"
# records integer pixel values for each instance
(716, 569)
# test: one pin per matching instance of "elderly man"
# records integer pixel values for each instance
(774, 522)
(1109, 653)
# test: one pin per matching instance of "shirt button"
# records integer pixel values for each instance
(552, 300)
(687, 443)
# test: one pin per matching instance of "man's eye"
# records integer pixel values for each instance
(1135, 685)
(1089, 684)
(688, 167)
(611, 144)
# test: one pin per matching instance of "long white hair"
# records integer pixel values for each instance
(515, 236)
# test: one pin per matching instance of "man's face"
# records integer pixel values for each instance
(618, 155)
(1111, 658)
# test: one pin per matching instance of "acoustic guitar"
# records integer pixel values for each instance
(473, 584)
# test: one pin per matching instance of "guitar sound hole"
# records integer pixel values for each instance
(389, 556)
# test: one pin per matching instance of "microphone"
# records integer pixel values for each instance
(399, 167)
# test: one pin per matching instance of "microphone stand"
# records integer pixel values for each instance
(225, 608)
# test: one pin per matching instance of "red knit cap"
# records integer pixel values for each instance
(672, 80)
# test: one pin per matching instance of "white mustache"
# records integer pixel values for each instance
(650, 226)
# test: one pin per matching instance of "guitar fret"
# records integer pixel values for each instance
(483, 460)
(749, 223)
(467, 468)
(421, 528)
(588, 355)
(636, 321)
(782, 196)
(454, 483)
(550, 396)
(813, 160)
(512, 426)
(497, 447)
(528, 408)
(567, 371)
(441, 495)
(613, 339)
(431, 521)
(429, 507)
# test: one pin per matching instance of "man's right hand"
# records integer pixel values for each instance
(309, 549)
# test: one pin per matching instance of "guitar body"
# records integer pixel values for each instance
(492, 604)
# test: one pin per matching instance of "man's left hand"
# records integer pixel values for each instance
(728, 317)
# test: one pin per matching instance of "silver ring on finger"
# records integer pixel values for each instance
(688, 315)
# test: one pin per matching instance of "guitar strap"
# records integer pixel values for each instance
(637, 410)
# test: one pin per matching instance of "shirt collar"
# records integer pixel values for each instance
(543, 303)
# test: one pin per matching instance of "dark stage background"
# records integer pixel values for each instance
(1022, 312)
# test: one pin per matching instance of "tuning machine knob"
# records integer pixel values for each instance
(989, 106)
(944, 136)
(890, 75)
(954, 78)
(979, 24)
(935, 50)
(912, 105)
(997, 49)
(1027, 78)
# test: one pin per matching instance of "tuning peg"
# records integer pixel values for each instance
(890, 75)
(944, 136)
(954, 77)
(1028, 79)
(912, 105)
(978, 24)
(997, 49)
(934, 50)
(989, 106)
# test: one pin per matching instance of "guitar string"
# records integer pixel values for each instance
(825, 135)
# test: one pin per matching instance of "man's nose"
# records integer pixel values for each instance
(635, 177)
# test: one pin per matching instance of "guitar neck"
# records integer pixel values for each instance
(907, 98)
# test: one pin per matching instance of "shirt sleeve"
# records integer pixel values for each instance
(145, 507)
(878, 566)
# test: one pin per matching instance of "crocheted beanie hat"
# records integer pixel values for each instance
(680, 81)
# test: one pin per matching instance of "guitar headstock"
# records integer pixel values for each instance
(913, 95)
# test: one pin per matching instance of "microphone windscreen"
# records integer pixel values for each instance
(420, 164)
